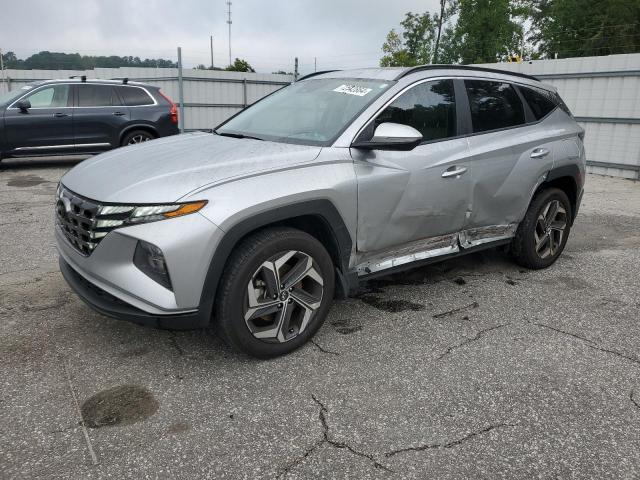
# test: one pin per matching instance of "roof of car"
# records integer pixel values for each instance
(396, 73)
(91, 80)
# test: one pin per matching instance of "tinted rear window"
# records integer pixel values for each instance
(97, 96)
(134, 96)
(494, 105)
(541, 102)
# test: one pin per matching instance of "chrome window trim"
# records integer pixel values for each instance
(36, 89)
(448, 77)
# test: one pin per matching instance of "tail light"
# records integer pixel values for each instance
(173, 112)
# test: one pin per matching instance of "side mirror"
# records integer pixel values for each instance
(24, 105)
(391, 136)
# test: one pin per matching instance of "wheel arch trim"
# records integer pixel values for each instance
(137, 126)
(321, 208)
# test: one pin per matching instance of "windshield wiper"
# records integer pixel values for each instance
(236, 135)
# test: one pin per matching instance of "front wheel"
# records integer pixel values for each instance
(543, 234)
(275, 292)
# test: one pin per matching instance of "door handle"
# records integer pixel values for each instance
(118, 114)
(539, 153)
(60, 115)
(453, 172)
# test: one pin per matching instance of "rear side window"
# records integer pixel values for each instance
(134, 96)
(97, 96)
(541, 102)
(428, 107)
(494, 105)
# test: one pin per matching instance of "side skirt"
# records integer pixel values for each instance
(436, 249)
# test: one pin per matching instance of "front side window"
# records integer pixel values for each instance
(134, 96)
(428, 107)
(310, 112)
(540, 101)
(494, 105)
(97, 96)
(55, 96)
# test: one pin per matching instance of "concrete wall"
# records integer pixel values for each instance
(604, 95)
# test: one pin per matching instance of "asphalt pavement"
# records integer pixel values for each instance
(472, 368)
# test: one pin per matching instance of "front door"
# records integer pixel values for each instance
(45, 127)
(411, 198)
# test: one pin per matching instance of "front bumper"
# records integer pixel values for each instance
(106, 304)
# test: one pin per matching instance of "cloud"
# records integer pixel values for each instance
(269, 34)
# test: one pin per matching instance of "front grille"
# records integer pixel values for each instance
(76, 216)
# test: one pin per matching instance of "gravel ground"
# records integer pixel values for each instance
(469, 368)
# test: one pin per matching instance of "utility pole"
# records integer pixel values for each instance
(295, 71)
(315, 64)
(180, 92)
(229, 22)
(211, 38)
(4, 82)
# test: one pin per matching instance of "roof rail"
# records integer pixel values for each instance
(83, 78)
(309, 75)
(420, 68)
(125, 81)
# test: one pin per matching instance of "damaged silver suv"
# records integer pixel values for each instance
(335, 179)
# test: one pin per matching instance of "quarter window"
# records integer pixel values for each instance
(428, 107)
(97, 96)
(55, 96)
(540, 101)
(494, 105)
(134, 96)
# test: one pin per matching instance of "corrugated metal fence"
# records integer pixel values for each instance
(604, 95)
(210, 96)
(602, 92)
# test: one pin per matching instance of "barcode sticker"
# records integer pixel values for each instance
(352, 90)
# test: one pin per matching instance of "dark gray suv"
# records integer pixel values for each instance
(78, 116)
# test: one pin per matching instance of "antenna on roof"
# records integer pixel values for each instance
(125, 81)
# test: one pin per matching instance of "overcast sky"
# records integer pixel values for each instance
(268, 33)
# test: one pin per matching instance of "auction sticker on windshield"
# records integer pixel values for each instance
(352, 90)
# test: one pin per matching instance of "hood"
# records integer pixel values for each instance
(167, 169)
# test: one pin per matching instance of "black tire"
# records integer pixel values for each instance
(523, 246)
(232, 298)
(136, 136)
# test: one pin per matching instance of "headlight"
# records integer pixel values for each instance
(112, 216)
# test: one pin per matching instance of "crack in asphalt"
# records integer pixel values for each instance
(322, 349)
(633, 400)
(322, 416)
(456, 310)
(591, 344)
(451, 444)
(478, 336)
(174, 341)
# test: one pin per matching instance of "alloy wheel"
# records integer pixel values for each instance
(283, 296)
(550, 227)
(138, 139)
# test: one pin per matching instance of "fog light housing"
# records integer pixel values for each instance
(150, 260)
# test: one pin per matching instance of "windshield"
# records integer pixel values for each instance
(311, 112)
(15, 93)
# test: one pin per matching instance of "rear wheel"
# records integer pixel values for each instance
(543, 234)
(275, 292)
(137, 136)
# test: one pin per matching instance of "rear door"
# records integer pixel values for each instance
(46, 127)
(99, 117)
(510, 153)
(421, 194)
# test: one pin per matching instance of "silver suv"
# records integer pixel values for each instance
(335, 179)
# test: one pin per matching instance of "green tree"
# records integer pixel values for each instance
(488, 31)
(240, 65)
(577, 28)
(423, 35)
(74, 61)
